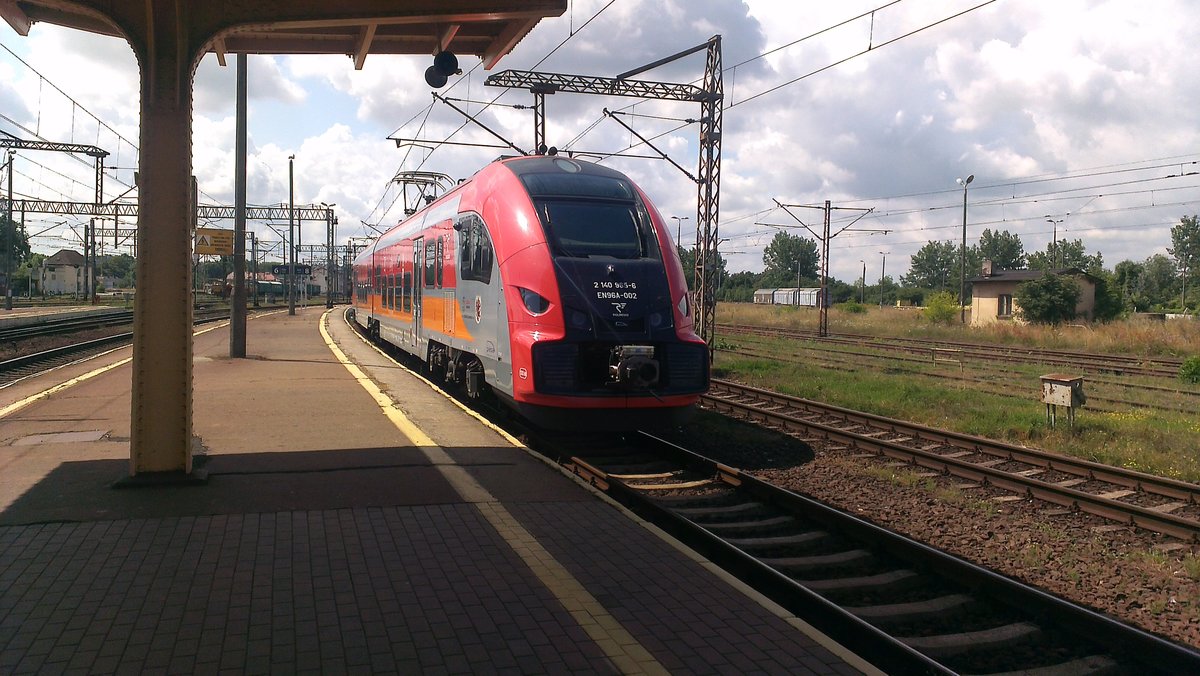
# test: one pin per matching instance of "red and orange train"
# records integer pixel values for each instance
(550, 282)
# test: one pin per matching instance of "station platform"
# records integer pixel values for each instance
(37, 314)
(353, 519)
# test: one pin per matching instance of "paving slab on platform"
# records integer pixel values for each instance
(326, 540)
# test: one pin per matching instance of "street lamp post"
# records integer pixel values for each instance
(291, 257)
(962, 261)
(9, 244)
(329, 220)
(678, 221)
(882, 270)
(1054, 242)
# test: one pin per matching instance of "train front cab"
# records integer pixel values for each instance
(601, 329)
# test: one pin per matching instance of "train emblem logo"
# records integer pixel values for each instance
(478, 309)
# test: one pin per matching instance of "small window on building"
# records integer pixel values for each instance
(1004, 307)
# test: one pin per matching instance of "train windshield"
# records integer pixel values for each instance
(586, 216)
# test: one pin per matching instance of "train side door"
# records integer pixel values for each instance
(374, 282)
(418, 267)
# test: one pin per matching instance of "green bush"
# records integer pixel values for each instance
(853, 307)
(1189, 372)
(942, 308)
(1050, 299)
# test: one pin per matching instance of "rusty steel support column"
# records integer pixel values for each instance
(237, 300)
(709, 196)
(161, 428)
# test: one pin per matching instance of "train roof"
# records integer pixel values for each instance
(525, 168)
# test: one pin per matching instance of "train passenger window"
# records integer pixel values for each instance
(441, 244)
(407, 292)
(430, 266)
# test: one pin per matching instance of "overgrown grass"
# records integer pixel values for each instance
(1176, 338)
(1155, 442)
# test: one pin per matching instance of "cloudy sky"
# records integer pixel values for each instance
(1078, 111)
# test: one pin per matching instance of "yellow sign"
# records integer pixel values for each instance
(211, 241)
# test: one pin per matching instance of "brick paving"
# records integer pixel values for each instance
(401, 589)
(339, 548)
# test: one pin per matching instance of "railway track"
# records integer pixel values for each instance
(1174, 400)
(28, 365)
(1155, 503)
(1159, 367)
(39, 327)
(901, 605)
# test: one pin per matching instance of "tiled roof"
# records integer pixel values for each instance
(1025, 275)
(65, 257)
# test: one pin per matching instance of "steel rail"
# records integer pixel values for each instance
(1143, 517)
(844, 625)
(54, 355)
(1164, 486)
(1115, 404)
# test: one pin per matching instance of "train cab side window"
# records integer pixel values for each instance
(475, 250)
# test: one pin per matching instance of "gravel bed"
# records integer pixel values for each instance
(1138, 577)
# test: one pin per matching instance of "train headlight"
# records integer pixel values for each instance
(579, 320)
(683, 305)
(533, 302)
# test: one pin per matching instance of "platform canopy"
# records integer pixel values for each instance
(169, 38)
(488, 29)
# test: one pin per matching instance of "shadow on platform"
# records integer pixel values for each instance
(259, 482)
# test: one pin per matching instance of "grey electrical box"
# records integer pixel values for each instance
(1062, 390)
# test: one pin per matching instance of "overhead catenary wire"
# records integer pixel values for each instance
(572, 33)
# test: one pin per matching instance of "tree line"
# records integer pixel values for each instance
(1158, 283)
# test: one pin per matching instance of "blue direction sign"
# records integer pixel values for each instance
(283, 269)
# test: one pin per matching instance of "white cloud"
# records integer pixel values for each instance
(1017, 90)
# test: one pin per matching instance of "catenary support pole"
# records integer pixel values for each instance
(237, 324)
